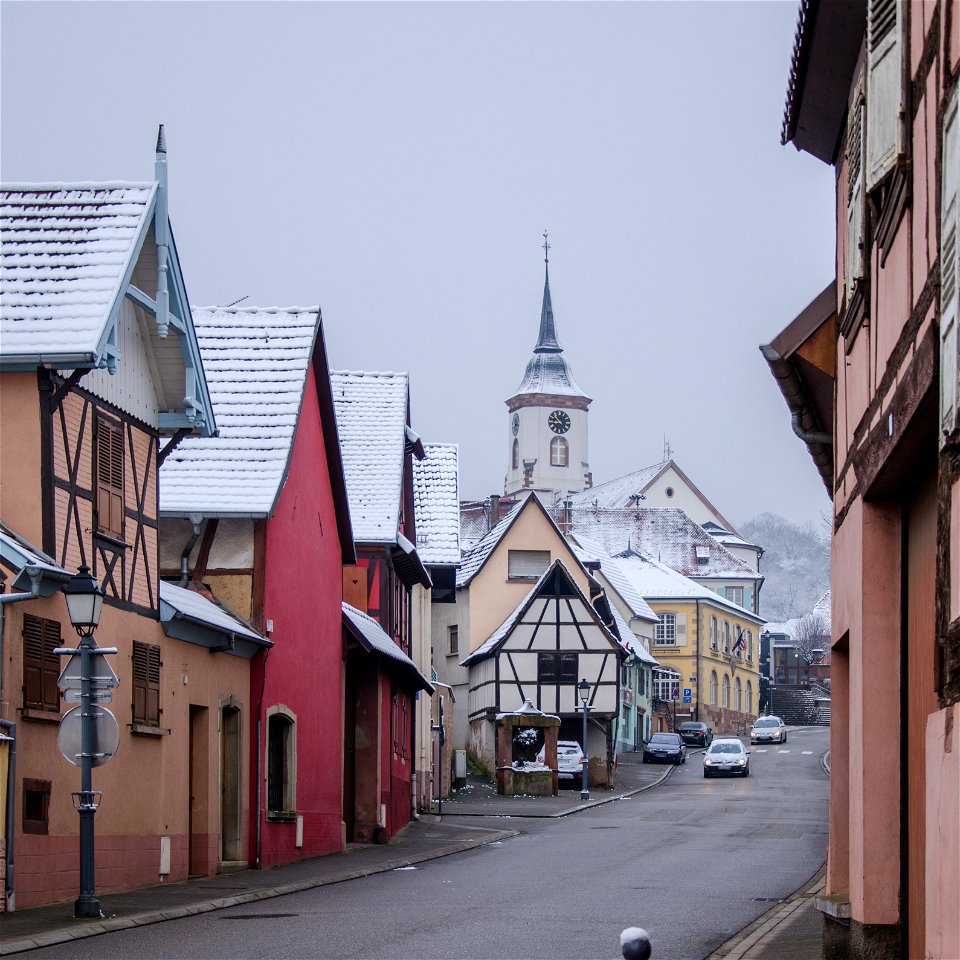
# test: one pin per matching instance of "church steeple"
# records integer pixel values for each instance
(547, 415)
(547, 341)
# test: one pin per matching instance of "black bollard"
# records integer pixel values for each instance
(635, 944)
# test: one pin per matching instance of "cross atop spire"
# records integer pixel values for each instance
(546, 248)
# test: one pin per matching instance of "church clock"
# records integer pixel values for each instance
(559, 421)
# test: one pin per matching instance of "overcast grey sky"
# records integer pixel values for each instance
(398, 163)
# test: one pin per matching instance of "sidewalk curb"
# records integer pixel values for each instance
(111, 924)
(740, 944)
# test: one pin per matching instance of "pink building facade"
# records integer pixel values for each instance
(869, 371)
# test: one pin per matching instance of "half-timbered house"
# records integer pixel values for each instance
(380, 733)
(259, 515)
(550, 643)
(100, 377)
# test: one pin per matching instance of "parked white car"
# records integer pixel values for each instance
(569, 760)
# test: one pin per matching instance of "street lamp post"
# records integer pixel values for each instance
(84, 602)
(584, 688)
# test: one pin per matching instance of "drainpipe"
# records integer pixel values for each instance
(258, 841)
(196, 520)
(11, 728)
(697, 671)
(414, 812)
(35, 574)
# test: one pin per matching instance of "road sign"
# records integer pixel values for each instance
(106, 736)
(72, 695)
(687, 699)
(102, 676)
(687, 693)
(675, 694)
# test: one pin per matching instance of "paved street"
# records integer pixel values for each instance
(692, 860)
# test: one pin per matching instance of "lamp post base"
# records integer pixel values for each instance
(86, 908)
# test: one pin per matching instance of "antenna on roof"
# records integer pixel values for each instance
(246, 296)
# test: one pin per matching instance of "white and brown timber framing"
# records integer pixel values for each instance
(125, 565)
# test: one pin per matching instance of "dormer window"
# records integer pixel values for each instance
(703, 555)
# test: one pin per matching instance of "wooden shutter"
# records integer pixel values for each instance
(856, 197)
(146, 684)
(883, 88)
(41, 666)
(950, 271)
(110, 478)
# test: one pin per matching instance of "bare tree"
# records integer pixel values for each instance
(811, 637)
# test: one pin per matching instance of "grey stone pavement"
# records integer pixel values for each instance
(477, 816)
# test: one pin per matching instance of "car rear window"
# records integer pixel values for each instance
(664, 738)
(691, 726)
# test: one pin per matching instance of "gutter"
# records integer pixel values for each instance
(802, 419)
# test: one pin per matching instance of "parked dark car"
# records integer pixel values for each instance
(665, 748)
(698, 734)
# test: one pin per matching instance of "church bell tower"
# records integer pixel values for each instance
(547, 417)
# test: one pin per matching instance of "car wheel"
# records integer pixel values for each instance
(746, 772)
(784, 740)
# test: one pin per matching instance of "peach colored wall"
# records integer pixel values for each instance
(943, 846)
(20, 454)
(867, 608)
(953, 40)
(492, 596)
(893, 302)
(955, 551)
(145, 786)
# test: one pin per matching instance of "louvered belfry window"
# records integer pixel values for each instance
(109, 473)
(146, 684)
(41, 666)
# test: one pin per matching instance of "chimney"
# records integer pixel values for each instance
(494, 517)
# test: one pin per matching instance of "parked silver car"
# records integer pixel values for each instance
(726, 756)
(768, 730)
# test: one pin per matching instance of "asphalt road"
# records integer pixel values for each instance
(693, 861)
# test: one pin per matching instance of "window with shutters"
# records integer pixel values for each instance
(883, 89)
(559, 452)
(713, 688)
(527, 564)
(714, 634)
(855, 267)
(41, 666)
(665, 632)
(281, 764)
(557, 667)
(734, 595)
(950, 271)
(726, 637)
(146, 684)
(726, 692)
(109, 475)
(453, 641)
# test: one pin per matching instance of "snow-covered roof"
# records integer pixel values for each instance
(610, 569)
(256, 361)
(656, 581)
(474, 520)
(66, 253)
(436, 505)
(376, 640)
(629, 640)
(196, 607)
(617, 493)
(666, 533)
(372, 418)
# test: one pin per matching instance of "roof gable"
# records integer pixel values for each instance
(71, 255)
(555, 583)
(257, 361)
(476, 559)
(372, 413)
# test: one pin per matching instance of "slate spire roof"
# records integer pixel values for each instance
(547, 370)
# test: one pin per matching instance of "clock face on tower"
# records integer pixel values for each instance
(515, 424)
(559, 421)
